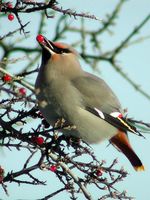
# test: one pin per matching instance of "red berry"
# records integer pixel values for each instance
(39, 140)
(1, 179)
(7, 78)
(1, 171)
(99, 172)
(40, 38)
(11, 17)
(9, 5)
(120, 115)
(53, 168)
(40, 114)
(22, 91)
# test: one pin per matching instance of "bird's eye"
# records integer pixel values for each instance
(66, 50)
(61, 51)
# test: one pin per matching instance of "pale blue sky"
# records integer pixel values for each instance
(135, 61)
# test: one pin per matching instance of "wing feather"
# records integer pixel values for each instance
(96, 93)
(119, 122)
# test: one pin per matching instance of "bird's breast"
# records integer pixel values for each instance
(47, 102)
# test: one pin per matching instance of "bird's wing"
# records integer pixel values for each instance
(96, 93)
(100, 100)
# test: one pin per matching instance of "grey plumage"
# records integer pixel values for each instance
(64, 90)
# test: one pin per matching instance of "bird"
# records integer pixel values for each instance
(84, 101)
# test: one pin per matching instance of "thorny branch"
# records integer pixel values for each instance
(58, 154)
(54, 153)
(23, 6)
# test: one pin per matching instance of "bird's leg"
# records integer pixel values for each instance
(63, 124)
(58, 125)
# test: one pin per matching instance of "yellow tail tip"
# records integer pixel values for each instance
(139, 168)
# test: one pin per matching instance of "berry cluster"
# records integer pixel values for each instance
(8, 79)
(10, 7)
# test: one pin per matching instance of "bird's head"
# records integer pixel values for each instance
(57, 52)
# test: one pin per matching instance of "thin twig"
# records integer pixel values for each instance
(18, 79)
(75, 178)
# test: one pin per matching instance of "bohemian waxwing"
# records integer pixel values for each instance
(85, 102)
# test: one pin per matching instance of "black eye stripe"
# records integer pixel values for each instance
(66, 50)
(60, 50)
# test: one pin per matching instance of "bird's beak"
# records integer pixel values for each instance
(48, 45)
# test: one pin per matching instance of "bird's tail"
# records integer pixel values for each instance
(120, 140)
